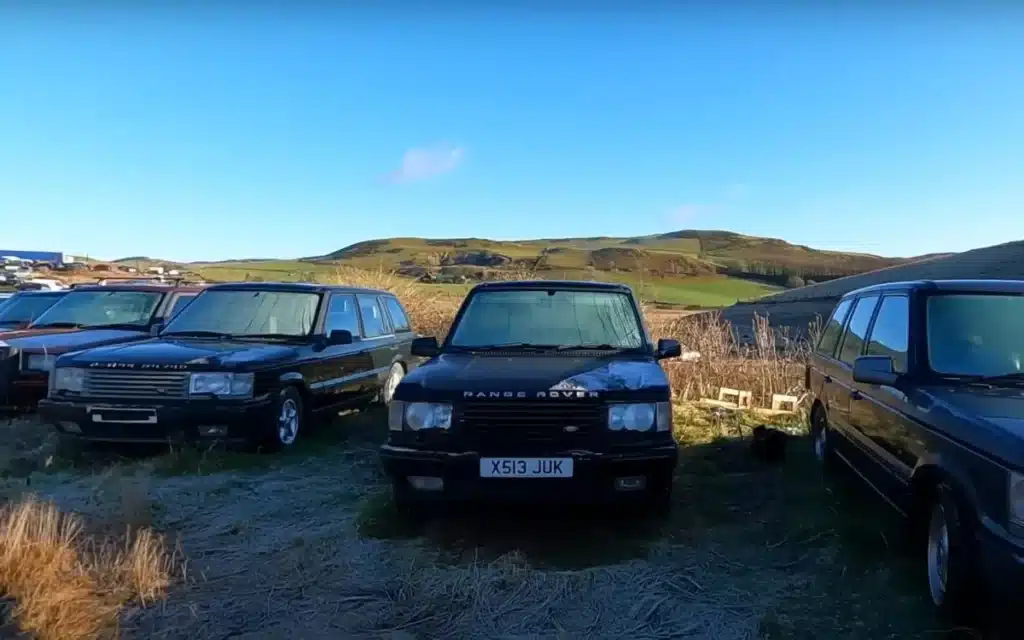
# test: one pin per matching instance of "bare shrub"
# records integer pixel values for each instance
(67, 584)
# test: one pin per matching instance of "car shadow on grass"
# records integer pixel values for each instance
(209, 458)
(863, 581)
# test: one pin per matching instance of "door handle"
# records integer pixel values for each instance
(855, 395)
(393, 347)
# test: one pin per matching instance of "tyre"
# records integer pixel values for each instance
(951, 559)
(821, 438)
(394, 377)
(406, 502)
(287, 421)
(657, 498)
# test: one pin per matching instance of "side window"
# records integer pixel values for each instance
(891, 334)
(834, 329)
(180, 303)
(858, 329)
(342, 315)
(373, 317)
(398, 318)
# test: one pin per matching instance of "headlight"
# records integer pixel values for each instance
(1016, 502)
(68, 379)
(631, 417)
(221, 384)
(38, 362)
(428, 415)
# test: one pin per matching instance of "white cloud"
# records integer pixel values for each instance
(421, 163)
(683, 214)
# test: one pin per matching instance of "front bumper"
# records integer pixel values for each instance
(593, 482)
(22, 391)
(181, 422)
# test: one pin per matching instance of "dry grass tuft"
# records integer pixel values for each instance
(773, 364)
(68, 584)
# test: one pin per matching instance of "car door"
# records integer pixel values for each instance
(340, 370)
(877, 411)
(379, 337)
(840, 391)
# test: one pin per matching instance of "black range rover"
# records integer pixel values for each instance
(244, 362)
(541, 390)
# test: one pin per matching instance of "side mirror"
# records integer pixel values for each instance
(156, 328)
(339, 336)
(425, 347)
(668, 348)
(875, 370)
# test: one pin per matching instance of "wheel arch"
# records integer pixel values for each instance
(925, 482)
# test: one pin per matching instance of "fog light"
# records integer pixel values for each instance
(71, 427)
(630, 483)
(212, 430)
(426, 483)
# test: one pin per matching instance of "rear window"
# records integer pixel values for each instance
(398, 318)
(853, 343)
(834, 329)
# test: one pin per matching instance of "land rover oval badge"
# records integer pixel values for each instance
(571, 429)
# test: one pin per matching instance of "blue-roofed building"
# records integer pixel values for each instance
(54, 257)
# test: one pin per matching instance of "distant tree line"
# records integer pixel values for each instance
(783, 275)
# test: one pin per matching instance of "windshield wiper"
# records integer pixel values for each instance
(588, 347)
(1015, 376)
(512, 345)
(197, 334)
(131, 326)
(1012, 377)
(58, 325)
(267, 336)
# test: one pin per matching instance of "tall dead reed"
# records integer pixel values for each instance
(772, 364)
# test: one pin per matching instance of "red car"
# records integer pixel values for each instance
(85, 317)
(18, 311)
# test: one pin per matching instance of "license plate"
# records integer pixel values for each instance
(525, 467)
(122, 416)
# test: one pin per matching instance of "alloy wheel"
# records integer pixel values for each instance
(394, 378)
(288, 422)
(938, 555)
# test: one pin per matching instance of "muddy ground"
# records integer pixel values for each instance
(306, 545)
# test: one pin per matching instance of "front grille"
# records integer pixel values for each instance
(499, 425)
(135, 384)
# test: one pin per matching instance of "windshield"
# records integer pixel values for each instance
(540, 317)
(241, 313)
(976, 335)
(99, 308)
(25, 308)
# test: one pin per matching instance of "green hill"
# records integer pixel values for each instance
(694, 268)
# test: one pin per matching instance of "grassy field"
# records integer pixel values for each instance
(202, 544)
(710, 291)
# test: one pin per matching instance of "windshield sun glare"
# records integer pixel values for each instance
(241, 313)
(543, 318)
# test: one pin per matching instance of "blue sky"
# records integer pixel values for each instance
(227, 133)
